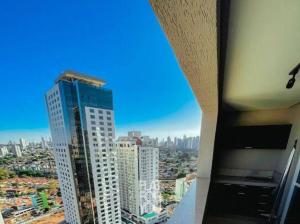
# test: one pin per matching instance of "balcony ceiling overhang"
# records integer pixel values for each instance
(263, 47)
(191, 28)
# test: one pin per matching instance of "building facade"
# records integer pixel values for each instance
(40, 201)
(133, 134)
(138, 180)
(180, 188)
(23, 143)
(16, 150)
(3, 151)
(82, 128)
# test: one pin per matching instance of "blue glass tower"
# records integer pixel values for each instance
(82, 128)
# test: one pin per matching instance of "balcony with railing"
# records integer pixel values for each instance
(241, 60)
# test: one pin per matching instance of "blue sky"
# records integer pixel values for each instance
(119, 42)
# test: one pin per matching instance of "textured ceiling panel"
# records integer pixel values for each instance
(263, 47)
(191, 28)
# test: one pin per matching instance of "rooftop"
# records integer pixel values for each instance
(71, 76)
(149, 215)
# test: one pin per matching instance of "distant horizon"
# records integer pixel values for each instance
(38, 136)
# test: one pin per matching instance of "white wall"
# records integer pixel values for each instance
(295, 134)
(281, 116)
(251, 159)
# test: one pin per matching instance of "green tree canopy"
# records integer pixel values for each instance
(5, 173)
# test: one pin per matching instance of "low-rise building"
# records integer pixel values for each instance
(40, 201)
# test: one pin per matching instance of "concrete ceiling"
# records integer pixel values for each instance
(263, 47)
(191, 28)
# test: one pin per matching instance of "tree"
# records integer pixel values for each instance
(181, 175)
(42, 188)
(14, 184)
(5, 160)
(29, 173)
(166, 196)
(12, 174)
(5, 173)
(53, 186)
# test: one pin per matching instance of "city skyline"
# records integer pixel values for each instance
(125, 53)
(97, 176)
(39, 139)
(190, 125)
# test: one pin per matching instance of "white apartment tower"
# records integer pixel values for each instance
(23, 143)
(138, 180)
(3, 152)
(82, 128)
(133, 134)
(44, 143)
(16, 150)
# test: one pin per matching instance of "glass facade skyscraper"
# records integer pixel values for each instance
(82, 128)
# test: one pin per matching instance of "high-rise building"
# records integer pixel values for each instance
(149, 141)
(132, 134)
(3, 151)
(82, 127)
(16, 150)
(23, 143)
(169, 141)
(1, 218)
(44, 143)
(180, 188)
(138, 180)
